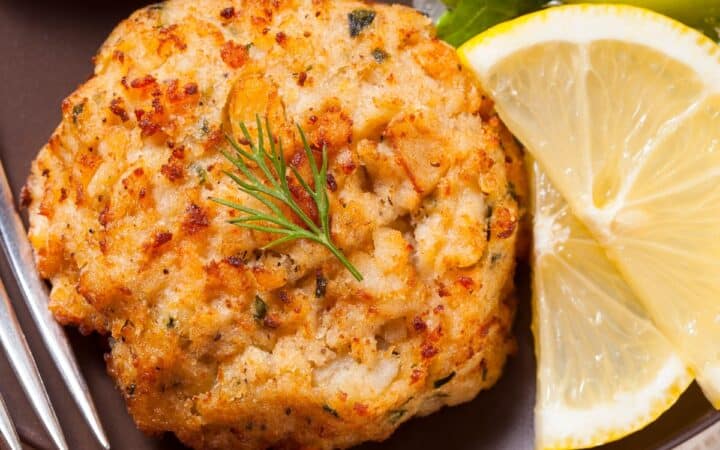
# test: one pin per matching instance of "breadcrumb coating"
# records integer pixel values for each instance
(230, 346)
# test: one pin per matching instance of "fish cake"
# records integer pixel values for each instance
(231, 346)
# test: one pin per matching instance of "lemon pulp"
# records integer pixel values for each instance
(621, 109)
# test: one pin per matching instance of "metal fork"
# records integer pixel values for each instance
(19, 254)
(7, 431)
(18, 353)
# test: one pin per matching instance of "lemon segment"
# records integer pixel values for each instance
(621, 108)
(604, 370)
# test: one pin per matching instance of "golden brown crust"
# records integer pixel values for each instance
(421, 202)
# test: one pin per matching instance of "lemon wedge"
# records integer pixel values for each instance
(621, 108)
(604, 370)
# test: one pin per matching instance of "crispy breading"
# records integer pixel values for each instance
(229, 346)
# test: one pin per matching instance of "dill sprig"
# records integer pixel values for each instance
(274, 186)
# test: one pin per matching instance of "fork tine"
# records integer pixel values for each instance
(17, 248)
(22, 362)
(7, 431)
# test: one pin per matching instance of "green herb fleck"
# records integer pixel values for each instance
(360, 19)
(271, 185)
(395, 415)
(443, 381)
(380, 55)
(170, 322)
(495, 258)
(249, 45)
(512, 191)
(320, 284)
(205, 126)
(76, 111)
(488, 221)
(330, 411)
(259, 308)
(201, 174)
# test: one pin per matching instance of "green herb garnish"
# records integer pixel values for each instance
(274, 186)
(360, 19)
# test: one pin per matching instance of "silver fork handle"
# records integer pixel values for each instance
(8, 435)
(18, 251)
(22, 362)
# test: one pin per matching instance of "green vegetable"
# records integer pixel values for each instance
(470, 17)
(271, 184)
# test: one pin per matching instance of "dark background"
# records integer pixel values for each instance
(45, 51)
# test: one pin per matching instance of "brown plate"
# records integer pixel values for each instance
(45, 51)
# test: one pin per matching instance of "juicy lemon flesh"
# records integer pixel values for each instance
(604, 370)
(621, 108)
